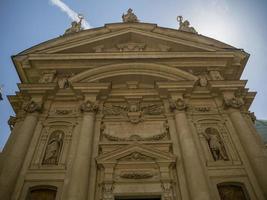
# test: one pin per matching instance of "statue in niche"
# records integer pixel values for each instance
(53, 148)
(216, 145)
(130, 17)
(231, 192)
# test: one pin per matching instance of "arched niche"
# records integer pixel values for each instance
(53, 148)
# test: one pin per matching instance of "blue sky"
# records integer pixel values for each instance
(240, 23)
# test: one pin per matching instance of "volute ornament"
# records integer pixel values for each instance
(32, 107)
(130, 17)
(89, 106)
(233, 102)
(179, 104)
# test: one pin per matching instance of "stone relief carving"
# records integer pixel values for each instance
(63, 111)
(130, 17)
(89, 106)
(157, 137)
(107, 191)
(202, 108)
(179, 104)
(215, 75)
(167, 190)
(53, 148)
(11, 122)
(63, 82)
(136, 174)
(131, 47)
(234, 102)
(31, 107)
(202, 80)
(136, 156)
(133, 111)
(185, 25)
(215, 144)
(47, 77)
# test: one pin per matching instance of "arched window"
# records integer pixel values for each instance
(232, 191)
(53, 148)
(42, 193)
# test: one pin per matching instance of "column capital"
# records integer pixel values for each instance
(178, 104)
(89, 107)
(32, 107)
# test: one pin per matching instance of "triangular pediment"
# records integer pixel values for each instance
(132, 40)
(134, 153)
(141, 37)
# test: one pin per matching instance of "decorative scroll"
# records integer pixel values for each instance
(136, 175)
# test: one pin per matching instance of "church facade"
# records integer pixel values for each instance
(132, 111)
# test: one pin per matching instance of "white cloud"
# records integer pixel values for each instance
(71, 13)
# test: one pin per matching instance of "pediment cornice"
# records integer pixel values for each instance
(145, 154)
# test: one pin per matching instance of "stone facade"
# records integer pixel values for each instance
(132, 110)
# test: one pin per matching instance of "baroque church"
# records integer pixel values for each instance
(132, 111)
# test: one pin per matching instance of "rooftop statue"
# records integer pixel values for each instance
(185, 25)
(75, 26)
(130, 17)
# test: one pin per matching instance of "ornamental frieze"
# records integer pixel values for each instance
(136, 174)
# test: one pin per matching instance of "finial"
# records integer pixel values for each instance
(130, 17)
(75, 26)
(185, 25)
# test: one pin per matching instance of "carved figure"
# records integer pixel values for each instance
(203, 82)
(130, 17)
(215, 143)
(107, 191)
(53, 148)
(215, 75)
(11, 122)
(185, 25)
(75, 26)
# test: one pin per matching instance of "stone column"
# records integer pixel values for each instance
(252, 147)
(17, 154)
(197, 183)
(79, 180)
